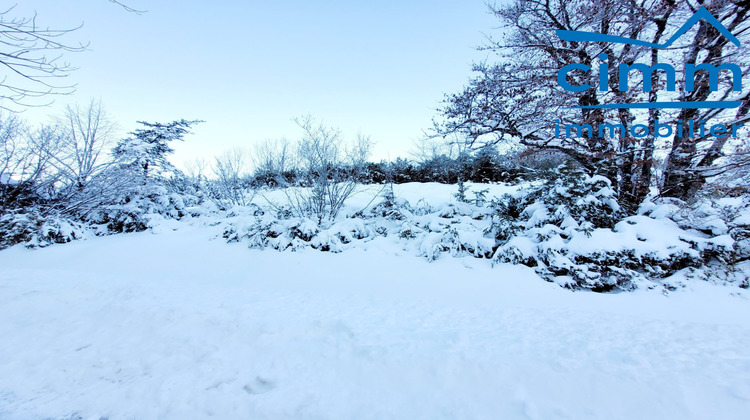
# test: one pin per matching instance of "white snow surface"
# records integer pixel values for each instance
(175, 323)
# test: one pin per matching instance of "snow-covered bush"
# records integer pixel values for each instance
(36, 230)
(130, 211)
(726, 219)
(454, 229)
(571, 230)
(284, 230)
(572, 200)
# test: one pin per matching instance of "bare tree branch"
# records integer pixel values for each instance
(128, 8)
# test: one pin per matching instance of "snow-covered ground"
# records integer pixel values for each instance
(177, 325)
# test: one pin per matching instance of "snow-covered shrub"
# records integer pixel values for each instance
(455, 240)
(462, 189)
(390, 207)
(268, 230)
(571, 230)
(129, 213)
(572, 200)
(454, 229)
(34, 230)
(725, 219)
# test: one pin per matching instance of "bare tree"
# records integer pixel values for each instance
(26, 152)
(196, 169)
(450, 145)
(273, 157)
(25, 156)
(229, 169)
(358, 153)
(10, 131)
(87, 134)
(323, 160)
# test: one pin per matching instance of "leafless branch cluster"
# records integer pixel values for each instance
(322, 155)
(32, 58)
(230, 169)
(31, 55)
(56, 160)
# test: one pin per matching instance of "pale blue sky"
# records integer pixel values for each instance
(248, 67)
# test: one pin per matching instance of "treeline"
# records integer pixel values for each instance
(487, 166)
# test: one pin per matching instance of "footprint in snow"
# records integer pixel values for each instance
(259, 385)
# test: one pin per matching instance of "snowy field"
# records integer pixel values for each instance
(175, 324)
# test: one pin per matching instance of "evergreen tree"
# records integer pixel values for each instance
(146, 150)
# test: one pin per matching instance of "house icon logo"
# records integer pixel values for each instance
(702, 13)
(647, 71)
